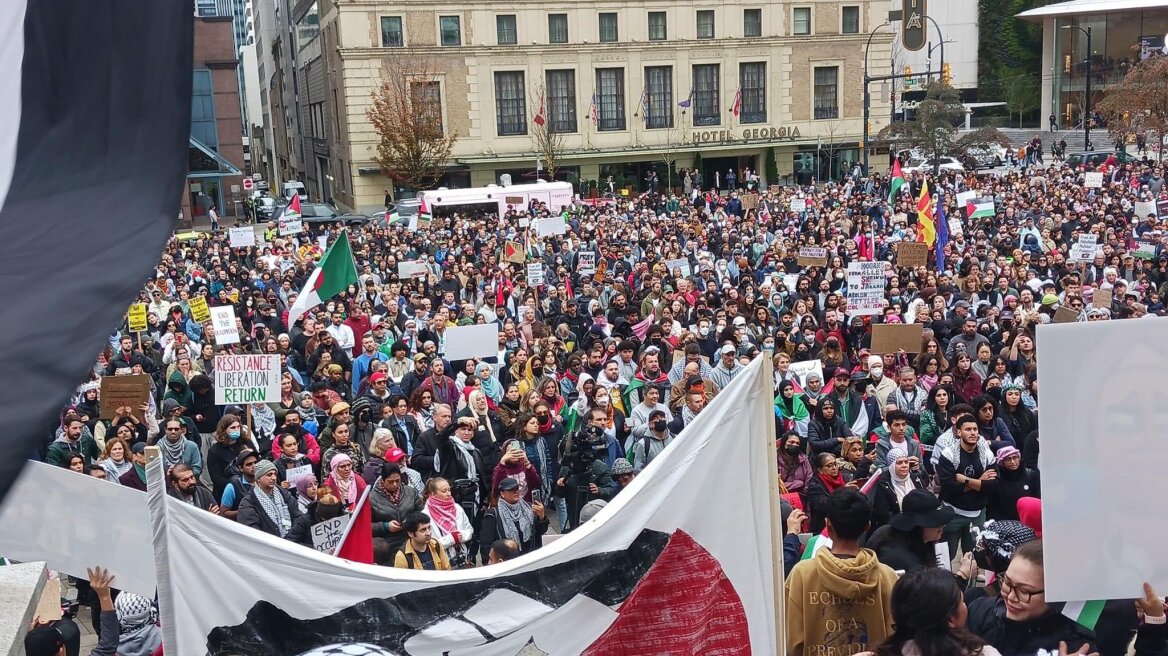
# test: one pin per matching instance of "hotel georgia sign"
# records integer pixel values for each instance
(746, 134)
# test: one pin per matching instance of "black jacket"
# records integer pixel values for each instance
(301, 531)
(424, 449)
(884, 504)
(824, 435)
(200, 499)
(491, 529)
(816, 495)
(253, 515)
(382, 511)
(895, 549)
(987, 620)
(1003, 495)
(454, 469)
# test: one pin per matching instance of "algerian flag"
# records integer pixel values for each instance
(897, 181)
(1085, 613)
(627, 393)
(333, 274)
(821, 541)
(979, 209)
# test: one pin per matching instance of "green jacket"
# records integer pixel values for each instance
(61, 450)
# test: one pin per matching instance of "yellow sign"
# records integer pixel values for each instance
(199, 310)
(137, 317)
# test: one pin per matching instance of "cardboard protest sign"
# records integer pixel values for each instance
(247, 379)
(199, 310)
(1093, 179)
(535, 273)
(136, 318)
(1101, 298)
(1065, 314)
(865, 288)
(912, 254)
(223, 322)
(475, 341)
(586, 263)
(242, 237)
(327, 534)
(750, 201)
(290, 227)
(812, 256)
(119, 391)
(411, 270)
(513, 252)
(890, 338)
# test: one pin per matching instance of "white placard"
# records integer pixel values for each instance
(73, 521)
(944, 559)
(586, 263)
(965, 197)
(553, 225)
(955, 226)
(535, 273)
(1093, 179)
(680, 263)
(865, 288)
(411, 270)
(798, 204)
(322, 241)
(291, 227)
(802, 369)
(1100, 506)
(241, 379)
(1143, 209)
(295, 473)
(476, 341)
(1083, 250)
(327, 534)
(242, 237)
(223, 321)
(524, 221)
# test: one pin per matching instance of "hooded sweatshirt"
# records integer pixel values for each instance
(838, 605)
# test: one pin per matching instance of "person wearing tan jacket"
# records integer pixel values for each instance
(420, 550)
(839, 600)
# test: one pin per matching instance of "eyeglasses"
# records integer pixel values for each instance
(1020, 594)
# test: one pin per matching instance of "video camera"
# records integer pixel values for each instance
(584, 450)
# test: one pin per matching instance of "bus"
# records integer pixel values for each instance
(498, 199)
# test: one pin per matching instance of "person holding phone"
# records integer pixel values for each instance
(511, 517)
(515, 465)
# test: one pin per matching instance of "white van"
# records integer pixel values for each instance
(556, 195)
(295, 187)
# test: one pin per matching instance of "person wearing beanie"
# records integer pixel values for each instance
(268, 507)
(1015, 481)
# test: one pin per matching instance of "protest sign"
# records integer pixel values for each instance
(801, 369)
(199, 310)
(586, 263)
(750, 201)
(1101, 298)
(247, 379)
(1064, 314)
(475, 341)
(327, 534)
(411, 270)
(1103, 532)
(965, 197)
(322, 242)
(798, 204)
(1084, 249)
(553, 225)
(535, 273)
(131, 390)
(865, 288)
(812, 256)
(890, 338)
(1145, 208)
(295, 473)
(955, 227)
(1145, 250)
(513, 252)
(680, 263)
(524, 221)
(136, 318)
(1162, 209)
(242, 237)
(291, 227)
(223, 322)
(912, 254)
(1093, 179)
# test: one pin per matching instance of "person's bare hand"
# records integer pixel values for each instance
(988, 475)
(795, 521)
(215, 510)
(853, 484)
(968, 568)
(593, 489)
(1152, 605)
(1085, 650)
(871, 456)
(395, 526)
(538, 509)
(100, 580)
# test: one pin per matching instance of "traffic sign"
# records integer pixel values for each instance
(248, 184)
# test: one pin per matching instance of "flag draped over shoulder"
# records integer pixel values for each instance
(335, 271)
(95, 110)
(926, 226)
(678, 558)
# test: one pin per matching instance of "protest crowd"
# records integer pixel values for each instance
(887, 452)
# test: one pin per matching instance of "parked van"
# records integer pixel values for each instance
(293, 188)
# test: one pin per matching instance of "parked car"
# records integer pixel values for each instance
(947, 164)
(267, 207)
(982, 157)
(1097, 157)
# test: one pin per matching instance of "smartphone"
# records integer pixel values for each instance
(869, 447)
(537, 496)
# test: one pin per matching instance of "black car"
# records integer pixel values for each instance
(267, 207)
(1097, 157)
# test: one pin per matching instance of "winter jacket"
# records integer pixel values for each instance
(824, 435)
(996, 433)
(896, 549)
(382, 511)
(203, 404)
(252, 514)
(883, 497)
(408, 558)
(796, 478)
(62, 449)
(861, 584)
(987, 620)
(491, 529)
(1003, 495)
(177, 389)
(404, 437)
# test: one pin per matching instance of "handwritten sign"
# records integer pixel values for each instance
(535, 273)
(242, 237)
(865, 288)
(798, 204)
(136, 317)
(1101, 298)
(586, 263)
(327, 534)
(247, 379)
(295, 473)
(291, 227)
(199, 310)
(680, 263)
(223, 322)
(912, 254)
(750, 201)
(1093, 179)
(812, 256)
(411, 269)
(121, 391)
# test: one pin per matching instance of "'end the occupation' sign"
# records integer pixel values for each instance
(247, 379)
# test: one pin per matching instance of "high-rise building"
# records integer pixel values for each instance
(632, 87)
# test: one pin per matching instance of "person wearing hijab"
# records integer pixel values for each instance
(790, 409)
(323, 509)
(489, 384)
(509, 407)
(306, 491)
(794, 467)
(894, 484)
(344, 483)
(827, 431)
(813, 390)
(1015, 481)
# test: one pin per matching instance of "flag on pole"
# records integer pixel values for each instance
(645, 105)
(736, 109)
(926, 226)
(685, 104)
(293, 210)
(593, 115)
(356, 542)
(764, 212)
(100, 125)
(332, 275)
(539, 119)
(896, 182)
(942, 233)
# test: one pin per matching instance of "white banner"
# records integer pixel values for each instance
(290, 227)
(223, 321)
(247, 379)
(411, 270)
(535, 273)
(865, 288)
(624, 582)
(242, 237)
(476, 341)
(1101, 506)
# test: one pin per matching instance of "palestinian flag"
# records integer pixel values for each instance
(1085, 613)
(95, 111)
(513, 252)
(978, 209)
(896, 181)
(293, 211)
(571, 418)
(332, 275)
(817, 542)
(423, 211)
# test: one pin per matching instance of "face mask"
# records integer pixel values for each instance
(721, 327)
(768, 346)
(703, 330)
(537, 371)
(233, 435)
(659, 425)
(603, 401)
(792, 448)
(839, 275)
(877, 372)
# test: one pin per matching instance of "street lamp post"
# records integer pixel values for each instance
(1087, 100)
(868, 96)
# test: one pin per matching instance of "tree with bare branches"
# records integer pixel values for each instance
(549, 144)
(413, 145)
(1139, 101)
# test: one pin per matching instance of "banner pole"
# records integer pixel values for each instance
(766, 386)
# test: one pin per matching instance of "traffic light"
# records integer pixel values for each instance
(946, 76)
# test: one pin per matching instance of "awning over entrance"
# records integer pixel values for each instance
(204, 162)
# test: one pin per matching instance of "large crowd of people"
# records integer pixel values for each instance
(600, 368)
